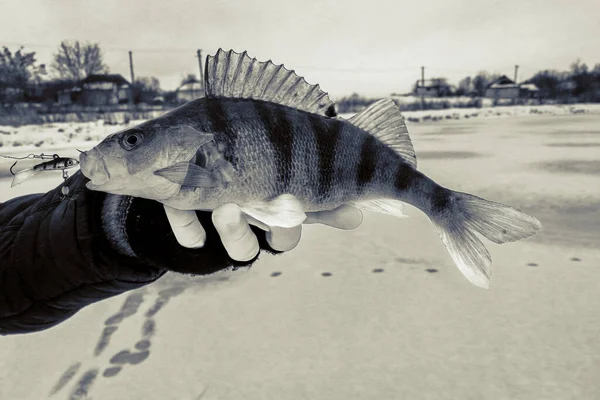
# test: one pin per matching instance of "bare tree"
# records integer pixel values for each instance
(146, 89)
(465, 86)
(16, 71)
(482, 80)
(75, 60)
(189, 78)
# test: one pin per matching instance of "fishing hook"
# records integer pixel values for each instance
(30, 156)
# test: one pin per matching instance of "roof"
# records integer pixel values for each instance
(190, 86)
(529, 86)
(502, 82)
(432, 83)
(114, 78)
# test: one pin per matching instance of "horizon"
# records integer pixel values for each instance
(343, 49)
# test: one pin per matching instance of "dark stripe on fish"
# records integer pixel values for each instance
(440, 199)
(217, 118)
(216, 115)
(403, 177)
(327, 135)
(366, 167)
(281, 134)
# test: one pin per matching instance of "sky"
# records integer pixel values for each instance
(371, 47)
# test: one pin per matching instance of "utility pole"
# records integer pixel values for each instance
(199, 53)
(132, 77)
(423, 86)
(516, 69)
(131, 67)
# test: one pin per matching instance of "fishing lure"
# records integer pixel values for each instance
(55, 163)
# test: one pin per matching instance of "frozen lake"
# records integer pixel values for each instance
(377, 313)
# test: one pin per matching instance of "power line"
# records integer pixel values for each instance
(104, 48)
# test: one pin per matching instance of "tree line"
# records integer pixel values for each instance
(71, 62)
(75, 60)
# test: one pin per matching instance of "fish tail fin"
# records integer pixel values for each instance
(458, 217)
(22, 176)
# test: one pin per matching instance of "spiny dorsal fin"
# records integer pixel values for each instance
(234, 75)
(384, 120)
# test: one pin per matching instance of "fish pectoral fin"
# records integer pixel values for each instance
(384, 206)
(188, 174)
(284, 211)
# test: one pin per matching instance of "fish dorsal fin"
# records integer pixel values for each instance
(234, 75)
(384, 121)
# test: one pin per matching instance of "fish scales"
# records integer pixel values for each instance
(248, 146)
(280, 133)
(326, 138)
(276, 149)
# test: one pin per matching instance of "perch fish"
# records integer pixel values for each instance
(272, 143)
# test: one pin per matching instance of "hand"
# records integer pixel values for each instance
(237, 237)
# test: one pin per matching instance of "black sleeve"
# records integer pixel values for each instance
(56, 258)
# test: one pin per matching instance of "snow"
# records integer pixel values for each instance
(395, 319)
(58, 135)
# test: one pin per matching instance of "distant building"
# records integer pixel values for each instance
(529, 91)
(189, 91)
(49, 92)
(506, 88)
(502, 88)
(107, 89)
(433, 88)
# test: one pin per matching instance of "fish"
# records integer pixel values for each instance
(265, 139)
(56, 164)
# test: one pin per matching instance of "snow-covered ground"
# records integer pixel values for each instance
(377, 313)
(58, 135)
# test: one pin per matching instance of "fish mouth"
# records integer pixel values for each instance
(94, 167)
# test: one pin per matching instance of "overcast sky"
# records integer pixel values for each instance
(372, 47)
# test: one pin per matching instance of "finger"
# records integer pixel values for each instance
(237, 237)
(186, 227)
(344, 217)
(284, 239)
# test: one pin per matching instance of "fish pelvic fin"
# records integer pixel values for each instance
(458, 217)
(234, 75)
(383, 120)
(23, 175)
(283, 211)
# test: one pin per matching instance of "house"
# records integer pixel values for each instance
(503, 88)
(50, 92)
(433, 87)
(189, 91)
(506, 88)
(529, 91)
(106, 89)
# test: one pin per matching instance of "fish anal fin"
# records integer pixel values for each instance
(384, 206)
(283, 211)
(236, 75)
(188, 174)
(383, 120)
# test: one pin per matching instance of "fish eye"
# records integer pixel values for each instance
(131, 140)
